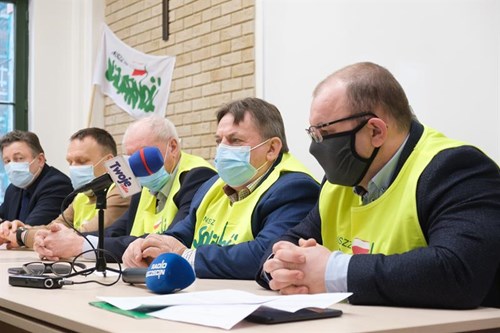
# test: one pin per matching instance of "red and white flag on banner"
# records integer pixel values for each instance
(138, 83)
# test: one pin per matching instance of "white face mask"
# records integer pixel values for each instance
(19, 173)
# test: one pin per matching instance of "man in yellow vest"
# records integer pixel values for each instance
(406, 216)
(261, 191)
(88, 149)
(164, 200)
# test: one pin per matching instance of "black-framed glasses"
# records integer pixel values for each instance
(314, 130)
(57, 267)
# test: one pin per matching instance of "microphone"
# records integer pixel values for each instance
(146, 161)
(119, 170)
(134, 275)
(96, 185)
(168, 273)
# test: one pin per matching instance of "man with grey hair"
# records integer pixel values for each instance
(166, 194)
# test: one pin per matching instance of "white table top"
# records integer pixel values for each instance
(69, 308)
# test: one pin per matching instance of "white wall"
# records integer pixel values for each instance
(63, 35)
(445, 54)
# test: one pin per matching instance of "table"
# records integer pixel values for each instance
(68, 309)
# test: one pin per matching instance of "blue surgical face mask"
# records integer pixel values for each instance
(19, 173)
(157, 180)
(233, 164)
(81, 175)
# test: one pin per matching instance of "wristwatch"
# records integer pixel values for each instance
(19, 236)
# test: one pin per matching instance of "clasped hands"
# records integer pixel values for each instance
(57, 241)
(8, 233)
(298, 269)
(142, 251)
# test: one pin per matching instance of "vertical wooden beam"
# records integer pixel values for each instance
(166, 21)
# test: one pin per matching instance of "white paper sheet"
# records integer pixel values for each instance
(220, 308)
(221, 315)
(225, 296)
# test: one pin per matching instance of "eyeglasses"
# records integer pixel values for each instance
(57, 267)
(314, 130)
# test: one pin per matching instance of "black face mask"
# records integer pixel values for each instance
(337, 156)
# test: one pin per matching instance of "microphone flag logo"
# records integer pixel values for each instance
(122, 176)
(157, 269)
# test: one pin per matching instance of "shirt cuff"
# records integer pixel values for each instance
(86, 247)
(336, 272)
(190, 255)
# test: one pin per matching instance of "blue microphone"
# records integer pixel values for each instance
(168, 273)
(146, 161)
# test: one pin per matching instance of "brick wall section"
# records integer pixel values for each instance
(213, 41)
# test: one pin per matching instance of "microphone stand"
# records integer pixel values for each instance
(100, 263)
(100, 190)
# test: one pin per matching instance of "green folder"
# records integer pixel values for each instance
(129, 313)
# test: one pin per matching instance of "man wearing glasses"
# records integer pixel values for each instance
(406, 216)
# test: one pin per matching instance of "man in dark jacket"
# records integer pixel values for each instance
(37, 190)
(406, 216)
(260, 192)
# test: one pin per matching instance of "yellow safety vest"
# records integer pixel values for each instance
(83, 209)
(388, 225)
(219, 222)
(146, 219)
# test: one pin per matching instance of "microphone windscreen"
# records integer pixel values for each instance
(168, 273)
(146, 161)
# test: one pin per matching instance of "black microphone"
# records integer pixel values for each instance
(118, 172)
(96, 185)
(134, 275)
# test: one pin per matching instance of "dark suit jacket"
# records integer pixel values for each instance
(458, 206)
(46, 196)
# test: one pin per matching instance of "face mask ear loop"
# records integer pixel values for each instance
(369, 163)
(257, 146)
(260, 144)
(165, 158)
(353, 143)
(262, 166)
(94, 165)
(39, 168)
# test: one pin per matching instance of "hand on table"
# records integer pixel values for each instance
(58, 241)
(298, 269)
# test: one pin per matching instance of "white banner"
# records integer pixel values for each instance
(138, 83)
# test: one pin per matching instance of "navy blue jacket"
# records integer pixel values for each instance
(458, 205)
(281, 207)
(46, 195)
